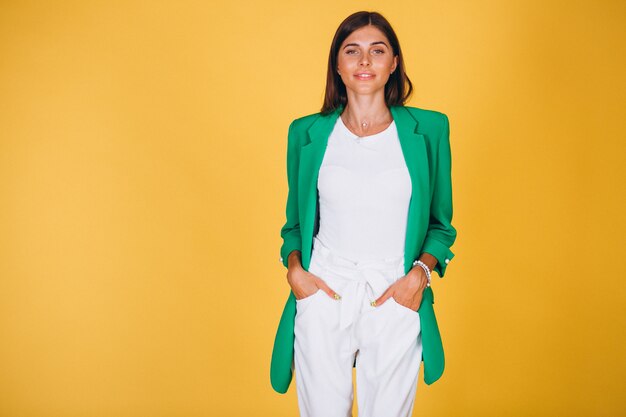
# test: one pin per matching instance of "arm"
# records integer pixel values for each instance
(441, 234)
(290, 232)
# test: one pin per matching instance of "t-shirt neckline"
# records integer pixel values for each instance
(361, 138)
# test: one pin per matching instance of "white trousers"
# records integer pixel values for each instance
(331, 334)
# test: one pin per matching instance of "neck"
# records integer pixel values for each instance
(360, 106)
(364, 117)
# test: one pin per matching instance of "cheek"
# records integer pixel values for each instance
(384, 62)
(345, 63)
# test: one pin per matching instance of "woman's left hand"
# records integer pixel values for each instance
(407, 290)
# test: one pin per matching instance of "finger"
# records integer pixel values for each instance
(329, 291)
(384, 296)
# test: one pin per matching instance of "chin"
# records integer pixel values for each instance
(360, 89)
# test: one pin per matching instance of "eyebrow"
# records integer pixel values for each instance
(373, 43)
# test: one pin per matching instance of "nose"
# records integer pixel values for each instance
(365, 60)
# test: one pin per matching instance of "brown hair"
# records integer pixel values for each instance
(395, 89)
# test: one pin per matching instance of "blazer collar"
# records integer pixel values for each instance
(405, 123)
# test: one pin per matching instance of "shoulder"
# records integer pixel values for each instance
(303, 122)
(297, 132)
(428, 117)
(433, 124)
(298, 128)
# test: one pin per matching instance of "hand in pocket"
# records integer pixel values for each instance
(304, 284)
(406, 291)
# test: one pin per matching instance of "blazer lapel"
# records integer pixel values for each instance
(414, 151)
(311, 156)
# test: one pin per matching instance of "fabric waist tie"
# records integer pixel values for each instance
(372, 276)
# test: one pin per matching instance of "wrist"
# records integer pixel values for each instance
(294, 260)
(420, 264)
(429, 260)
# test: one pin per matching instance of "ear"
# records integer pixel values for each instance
(395, 63)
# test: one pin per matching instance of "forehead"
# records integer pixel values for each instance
(366, 35)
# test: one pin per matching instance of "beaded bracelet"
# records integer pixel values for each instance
(425, 268)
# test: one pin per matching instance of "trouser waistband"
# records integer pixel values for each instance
(342, 261)
(369, 275)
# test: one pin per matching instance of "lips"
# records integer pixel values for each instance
(364, 76)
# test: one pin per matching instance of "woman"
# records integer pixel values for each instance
(369, 216)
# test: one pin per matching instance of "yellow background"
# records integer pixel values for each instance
(143, 183)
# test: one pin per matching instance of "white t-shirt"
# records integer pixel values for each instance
(364, 189)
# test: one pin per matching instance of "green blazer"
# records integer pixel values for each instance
(424, 138)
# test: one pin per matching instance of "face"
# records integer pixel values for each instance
(366, 51)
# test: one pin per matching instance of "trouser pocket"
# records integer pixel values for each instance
(317, 268)
(404, 308)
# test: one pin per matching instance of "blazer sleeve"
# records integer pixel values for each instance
(441, 234)
(290, 232)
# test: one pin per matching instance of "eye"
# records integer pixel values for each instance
(379, 50)
(350, 50)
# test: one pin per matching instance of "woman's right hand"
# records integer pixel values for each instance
(303, 283)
